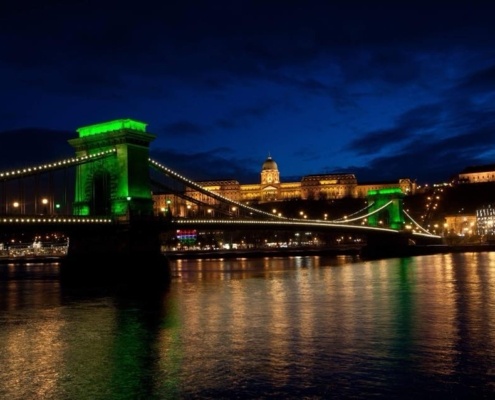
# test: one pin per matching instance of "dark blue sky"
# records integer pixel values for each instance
(385, 90)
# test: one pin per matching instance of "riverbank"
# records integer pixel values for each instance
(359, 251)
(267, 252)
(30, 259)
(365, 253)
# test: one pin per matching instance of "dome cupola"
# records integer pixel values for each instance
(269, 172)
(269, 164)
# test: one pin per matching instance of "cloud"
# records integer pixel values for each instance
(395, 82)
(432, 159)
(482, 80)
(375, 142)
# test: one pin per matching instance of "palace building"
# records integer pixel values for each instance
(311, 187)
(271, 189)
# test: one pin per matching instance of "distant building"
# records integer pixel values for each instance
(311, 187)
(270, 189)
(460, 224)
(478, 174)
(485, 221)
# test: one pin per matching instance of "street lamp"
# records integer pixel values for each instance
(44, 201)
(16, 207)
(128, 208)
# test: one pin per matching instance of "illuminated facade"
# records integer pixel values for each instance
(270, 189)
(485, 221)
(311, 187)
(478, 174)
(460, 224)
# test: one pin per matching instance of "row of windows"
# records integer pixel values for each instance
(481, 177)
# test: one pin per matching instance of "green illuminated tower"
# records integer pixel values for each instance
(118, 184)
(392, 216)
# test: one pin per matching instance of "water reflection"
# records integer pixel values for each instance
(66, 341)
(302, 327)
(384, 322)
(242, 268)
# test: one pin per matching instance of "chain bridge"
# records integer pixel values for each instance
(102, 201)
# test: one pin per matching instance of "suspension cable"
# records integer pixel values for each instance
(417, 224)
(354, 213)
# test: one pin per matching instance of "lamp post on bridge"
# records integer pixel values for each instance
(128, 210)
(44, 201)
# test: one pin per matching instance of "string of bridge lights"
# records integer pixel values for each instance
(355, 213)
(283, 220)
(305, 223)
(55, 165)
(201, 189)
(346, 220)
(71, 220)
(87, 220)
(416, 224)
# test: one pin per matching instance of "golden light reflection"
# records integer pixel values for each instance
(339, 309)
(33, 355)
(229, 320)
(31, 350)
(281, 318)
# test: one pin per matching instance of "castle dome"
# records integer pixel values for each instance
(269, 164)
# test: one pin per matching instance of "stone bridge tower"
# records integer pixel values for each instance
(118, 184)
(391, 216)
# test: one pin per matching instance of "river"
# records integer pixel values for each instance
(307, 327)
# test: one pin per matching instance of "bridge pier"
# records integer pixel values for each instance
(381, 246)
(404, 244)
(128, 250)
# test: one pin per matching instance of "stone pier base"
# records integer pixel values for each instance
(122, 252)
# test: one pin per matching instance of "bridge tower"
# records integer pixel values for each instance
(119, 184)
(391, 215)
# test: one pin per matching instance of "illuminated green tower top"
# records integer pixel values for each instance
(392, 215)
(119, 184)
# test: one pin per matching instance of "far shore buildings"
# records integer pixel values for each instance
(271, 189)
(477, 174)
(329, 186)
(483, 221)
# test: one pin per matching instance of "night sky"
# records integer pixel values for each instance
(379, 89)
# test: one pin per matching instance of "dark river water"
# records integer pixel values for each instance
(266, 328)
